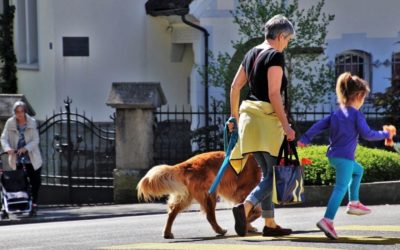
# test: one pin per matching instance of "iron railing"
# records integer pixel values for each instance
(180, 132)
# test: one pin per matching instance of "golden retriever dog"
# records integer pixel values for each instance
(190, 180)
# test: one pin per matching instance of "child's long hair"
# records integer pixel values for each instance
(348, 87)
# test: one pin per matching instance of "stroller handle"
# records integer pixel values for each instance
(5, 152)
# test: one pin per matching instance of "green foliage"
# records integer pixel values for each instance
(8, 75)
(319, 172)
(379, 165)
(390, 101)
(310, 78)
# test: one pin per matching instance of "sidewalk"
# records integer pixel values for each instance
(57, 213)
(377, 193)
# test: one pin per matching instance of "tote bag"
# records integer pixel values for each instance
(288, 176)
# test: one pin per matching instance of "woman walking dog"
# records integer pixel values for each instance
(262, 123)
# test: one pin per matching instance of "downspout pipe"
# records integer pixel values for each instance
(206, 35)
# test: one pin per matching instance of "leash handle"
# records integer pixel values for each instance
(230, 140)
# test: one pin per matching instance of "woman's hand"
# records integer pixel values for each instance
(232, 124)
(290, 133)
(11, 151)
(21, 151)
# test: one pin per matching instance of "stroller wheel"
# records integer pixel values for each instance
(4, 215)
(33, 213)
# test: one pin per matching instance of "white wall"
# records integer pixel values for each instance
(375, 18)
(366, 25)
(39, 85)
(173, 76)
(125, 45)
(117, 50)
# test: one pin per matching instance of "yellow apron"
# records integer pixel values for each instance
(259, 131)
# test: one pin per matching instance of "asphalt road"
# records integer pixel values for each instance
(379, 230)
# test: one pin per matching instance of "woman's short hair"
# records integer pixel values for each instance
(278, 24)
(19, 104)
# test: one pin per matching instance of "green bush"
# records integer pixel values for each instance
(379, 165)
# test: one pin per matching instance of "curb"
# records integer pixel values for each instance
(373, 193)
(40, 219)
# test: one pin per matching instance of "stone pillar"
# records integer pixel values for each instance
(6, 103)
(134, 104)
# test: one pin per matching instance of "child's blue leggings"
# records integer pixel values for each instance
(348, 177)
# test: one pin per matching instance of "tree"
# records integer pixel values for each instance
(8, 75)
(390, 101)
(310, 77)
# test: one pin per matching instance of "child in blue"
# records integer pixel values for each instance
(345, 125)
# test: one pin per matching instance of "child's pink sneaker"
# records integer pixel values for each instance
(327, 227)
(357, 209)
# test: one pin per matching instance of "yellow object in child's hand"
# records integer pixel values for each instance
(392, 131)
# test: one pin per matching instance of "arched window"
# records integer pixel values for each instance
(355, 61)
(396, 68)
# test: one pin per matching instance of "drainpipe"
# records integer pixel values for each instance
(206, 35)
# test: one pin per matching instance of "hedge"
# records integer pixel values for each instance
(379, 165)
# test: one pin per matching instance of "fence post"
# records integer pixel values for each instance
(69, 147)
(135, 104)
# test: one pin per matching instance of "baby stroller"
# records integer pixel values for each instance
(15, 193)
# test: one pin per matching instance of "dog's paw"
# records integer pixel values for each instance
(222, 232)
(251, 229)
(168, 236)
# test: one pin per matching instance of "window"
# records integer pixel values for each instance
(396, 68)
(355, 61)
(26, 34)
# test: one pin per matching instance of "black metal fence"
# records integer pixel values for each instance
(77, 155)
(180, 132)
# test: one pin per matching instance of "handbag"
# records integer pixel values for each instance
(288, 176)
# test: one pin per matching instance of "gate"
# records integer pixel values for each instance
(78, 159)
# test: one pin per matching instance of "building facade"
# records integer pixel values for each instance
(78, 48)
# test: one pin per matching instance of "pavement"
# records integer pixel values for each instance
(317, 197)
(68, 213)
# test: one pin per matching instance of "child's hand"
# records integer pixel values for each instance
(392, 132)
(301, 145)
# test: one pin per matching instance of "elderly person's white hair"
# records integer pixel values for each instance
(278, 24)
(19, 104)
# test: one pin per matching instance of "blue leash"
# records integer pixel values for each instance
(232, 138)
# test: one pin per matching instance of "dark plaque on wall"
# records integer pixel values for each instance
(75, 46)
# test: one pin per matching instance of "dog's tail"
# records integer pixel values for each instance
(161, 180)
